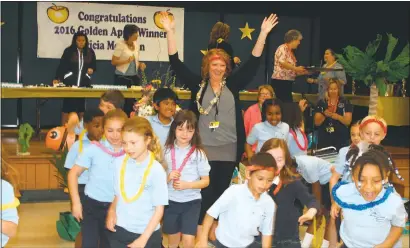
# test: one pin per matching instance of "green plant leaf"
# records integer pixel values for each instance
(58, 162)
(382, 69)
(403, 57)
(372, 47)
(356, 63)
(397, 72)
(392, 42)
(368, 80)
(381, 85)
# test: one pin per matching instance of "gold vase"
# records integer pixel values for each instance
(389, 90)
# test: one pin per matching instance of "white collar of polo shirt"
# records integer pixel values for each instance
(156, 119)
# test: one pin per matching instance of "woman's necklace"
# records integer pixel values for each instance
(328, 66)
(212, 103)
(332, 106)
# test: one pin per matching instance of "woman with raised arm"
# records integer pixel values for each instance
(215, 100)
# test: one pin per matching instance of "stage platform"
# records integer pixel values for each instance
(38, 179)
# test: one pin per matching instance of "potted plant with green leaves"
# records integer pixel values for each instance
(58, 162)
(377, 74)
(25, 133)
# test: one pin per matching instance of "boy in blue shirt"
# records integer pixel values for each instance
(93, 124)
(164, 101)
(244, 210)
(92, 120)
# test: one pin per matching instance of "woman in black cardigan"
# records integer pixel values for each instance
(219, 39)
(77, 65)
(215, 100)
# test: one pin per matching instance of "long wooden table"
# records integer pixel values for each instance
(395, 110)
(66, 92)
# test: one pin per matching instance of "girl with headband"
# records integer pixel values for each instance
(373, 213)
(373, 129)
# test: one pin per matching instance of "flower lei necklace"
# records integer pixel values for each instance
(303, 148)
(201, 110)
(80, 141)
(144, 179)
(106, 150)
(359, 207)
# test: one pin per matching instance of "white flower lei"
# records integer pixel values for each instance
(201, 110)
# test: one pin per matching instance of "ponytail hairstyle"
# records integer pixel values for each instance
(141, 126)
(292, 115)
(182, 117)
(286, 175)
(358, 156)
(219, 31)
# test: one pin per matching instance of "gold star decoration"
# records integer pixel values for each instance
(204, 52)
(246, 32)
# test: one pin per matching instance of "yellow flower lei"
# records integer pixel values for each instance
(144, 179)
(80, 141)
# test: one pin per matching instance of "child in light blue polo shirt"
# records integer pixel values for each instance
(188, 173)
(109, 100)
(244, 210)
(270, 127)
(373, 213)
(9, 215)
(164, 101)
(93, 119)
(140, 189)
(98, 158)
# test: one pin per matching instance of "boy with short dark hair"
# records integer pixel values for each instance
(93, 124)
(164, 101)
(244, 210)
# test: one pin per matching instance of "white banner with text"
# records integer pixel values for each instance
(104, 24)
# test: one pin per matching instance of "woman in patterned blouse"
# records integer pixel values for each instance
(285, 69)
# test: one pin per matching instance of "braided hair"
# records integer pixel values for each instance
(358, 156)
